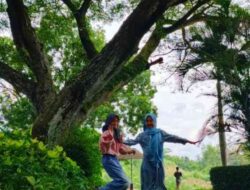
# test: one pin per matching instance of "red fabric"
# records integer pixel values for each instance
(108, 145)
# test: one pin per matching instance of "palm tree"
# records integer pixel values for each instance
(220, 51)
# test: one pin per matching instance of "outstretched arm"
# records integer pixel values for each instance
(126, 150)
(173, 138)
(131, 142)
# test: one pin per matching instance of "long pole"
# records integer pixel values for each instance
(222, 138)
(131, 173)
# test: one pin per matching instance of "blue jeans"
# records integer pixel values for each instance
(114, 170)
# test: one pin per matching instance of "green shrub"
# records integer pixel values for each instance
(230, 178)
(82, 147)
(29, 164)
(19, 114)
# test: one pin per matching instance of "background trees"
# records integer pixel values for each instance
(220, 51)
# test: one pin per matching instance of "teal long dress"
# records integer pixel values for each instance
(151, 141)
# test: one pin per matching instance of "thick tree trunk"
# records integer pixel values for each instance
(84, 91)
(107, 71)
(222, 138)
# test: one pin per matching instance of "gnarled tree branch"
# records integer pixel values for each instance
(19, 81)
(31, 49)
(70, 5)
(184, 21)
(106, 72)
(96, 75)
(80, 17)
(139, 64)
(84, 7)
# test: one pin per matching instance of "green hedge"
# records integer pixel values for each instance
(29, 164)
(82, 147)
(231, 178)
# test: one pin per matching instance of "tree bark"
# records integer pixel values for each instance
(79, 95)
(20, 81)
(107, 71)
(222, 138)
(80, 17)
(31, 50)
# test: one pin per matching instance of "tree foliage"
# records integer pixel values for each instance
(219, 50)
(29, 164)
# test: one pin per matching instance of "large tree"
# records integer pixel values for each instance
(30, 61)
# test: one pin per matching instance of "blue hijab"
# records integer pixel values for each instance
(155, 150)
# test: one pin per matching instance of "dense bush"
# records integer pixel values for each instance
(231, 178)
(29, 164)
(82, 147)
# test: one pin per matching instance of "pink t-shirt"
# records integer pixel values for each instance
(108, 145)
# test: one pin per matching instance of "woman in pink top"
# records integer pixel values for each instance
(111, 146)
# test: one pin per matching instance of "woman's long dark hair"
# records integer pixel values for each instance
(108, 121)
(110, 118)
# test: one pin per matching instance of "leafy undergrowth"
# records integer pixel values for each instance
(29, 164)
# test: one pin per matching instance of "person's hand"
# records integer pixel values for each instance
(132, 151)
(122, 137)
(108, 137)
(193, 142)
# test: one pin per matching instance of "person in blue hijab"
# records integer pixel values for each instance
(151, 141)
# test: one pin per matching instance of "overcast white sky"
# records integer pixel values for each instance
(183, 114)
